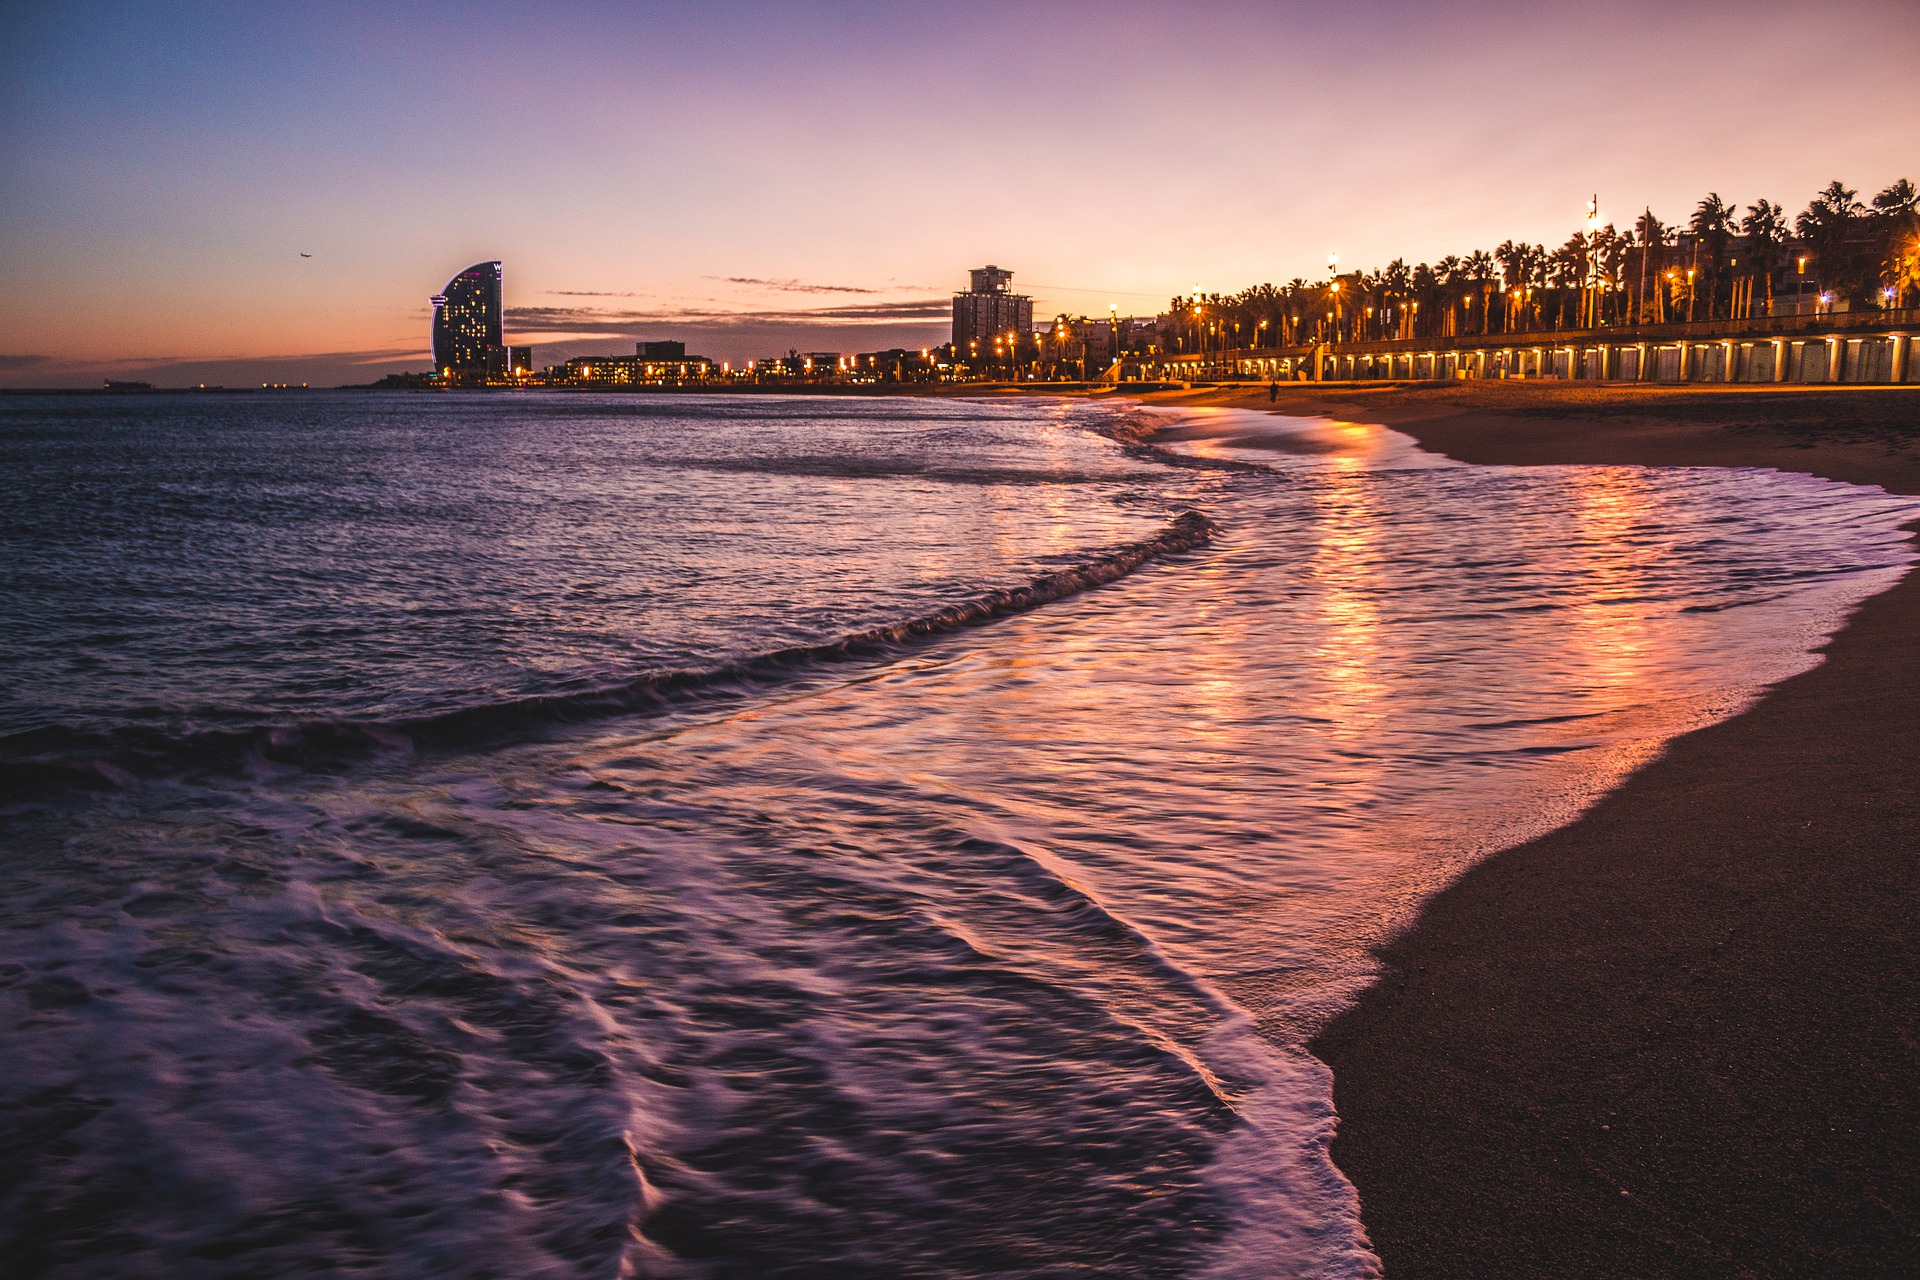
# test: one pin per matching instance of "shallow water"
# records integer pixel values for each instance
(985, 952)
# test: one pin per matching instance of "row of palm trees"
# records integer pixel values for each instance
(1722, 264)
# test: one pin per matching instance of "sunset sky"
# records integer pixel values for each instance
(758, 176)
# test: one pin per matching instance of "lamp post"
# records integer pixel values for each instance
(1593, 266)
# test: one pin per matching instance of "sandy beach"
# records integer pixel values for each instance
(1680, 1037)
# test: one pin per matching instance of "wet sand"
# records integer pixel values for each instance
(1680, 1037)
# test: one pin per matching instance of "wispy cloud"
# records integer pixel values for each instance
(321, 368)
(581, 320)
(793, 286)
(586, 293)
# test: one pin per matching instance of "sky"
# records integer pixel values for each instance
(754, 177)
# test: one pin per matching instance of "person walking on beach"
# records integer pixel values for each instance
(1273, 390)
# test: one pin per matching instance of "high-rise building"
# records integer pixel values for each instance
(467, 337)
(988, 310)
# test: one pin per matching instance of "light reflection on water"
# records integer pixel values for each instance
(994, 959)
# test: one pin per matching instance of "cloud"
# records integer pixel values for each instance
(533, 321)
(321, 369)
(560, 332)
(22, 362)
(586, 293)
(793, 286)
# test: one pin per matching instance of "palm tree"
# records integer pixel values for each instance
(1900, 198)
(1479, 268)
(1765, 228)
(1372, 300)
(1567, 272)
(1652, 234)
(1825, 224)
(1512, 258)
(1897, 213)
(1713, 223)
(1610, 256)
(1296, 291)
(1446, 273)
(1423, 285)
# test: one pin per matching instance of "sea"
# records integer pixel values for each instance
(554, 835)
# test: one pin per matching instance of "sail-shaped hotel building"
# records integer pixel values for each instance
(468, 344)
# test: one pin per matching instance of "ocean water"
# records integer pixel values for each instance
(574, 836)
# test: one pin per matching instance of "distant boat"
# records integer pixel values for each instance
(306, 255)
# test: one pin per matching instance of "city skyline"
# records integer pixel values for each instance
(755, 178)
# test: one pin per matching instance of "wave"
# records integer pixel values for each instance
(1135, 430)
(37, 761)
(844, 468)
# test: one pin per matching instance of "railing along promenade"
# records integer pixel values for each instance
(1847, 346)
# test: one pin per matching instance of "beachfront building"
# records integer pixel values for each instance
(806, 366)
(989, 310)
(467, 338)
(895, 364)
(651, 364)
(1094, 347)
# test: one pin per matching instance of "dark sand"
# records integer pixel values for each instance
(1680, 1037)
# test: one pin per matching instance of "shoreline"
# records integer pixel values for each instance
(1681, 1035)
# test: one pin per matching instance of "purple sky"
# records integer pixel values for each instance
(759, 176)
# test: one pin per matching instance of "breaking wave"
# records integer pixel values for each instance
(33, 761)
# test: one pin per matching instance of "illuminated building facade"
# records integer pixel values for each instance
(990, 309)
(467, 341)
(651, 362)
